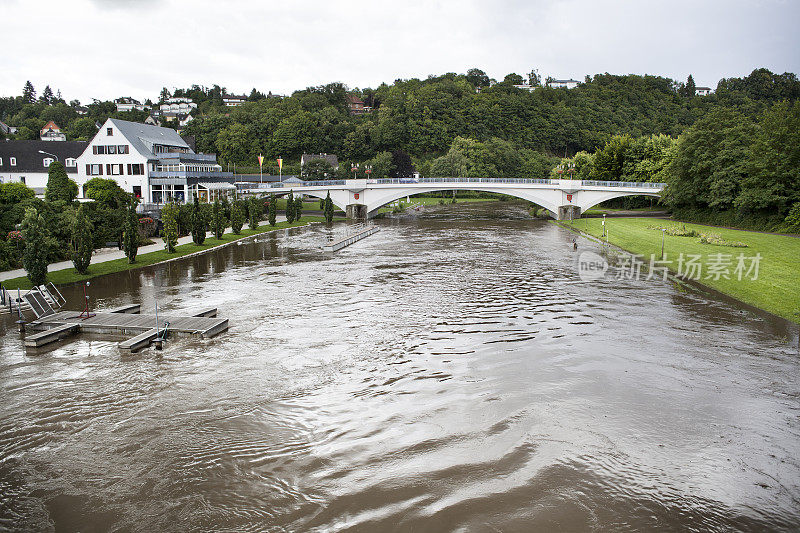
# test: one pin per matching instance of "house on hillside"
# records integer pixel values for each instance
(153, 163)
(568, 84)
(126, 103)
(233, 100)
(178, 105)
(28, 162)
(332, 159)
(8, 130)
(51, 132)
(355, 105)
(702, 91)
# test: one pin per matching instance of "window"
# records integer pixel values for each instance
(122, 149)
(12, 161)
(22, 180)
(137, 191)
(47, 161)
(114, 170)
(135, 169)
(71, 162)
(111, 149)
(1, 161)
(109, 131)
(94, 170)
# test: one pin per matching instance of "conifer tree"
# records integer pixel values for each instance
(298, 207)
(218, 220)
(237, 217)
(273, 210)
(169, 216)
(37, 246)
(198, 223)
(328, 209)
(28, 93)
(130, 238)
(82, 247)
(290, 207)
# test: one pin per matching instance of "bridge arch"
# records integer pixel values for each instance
(600, 197)
(542, 197)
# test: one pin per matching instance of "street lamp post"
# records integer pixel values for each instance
(604, 224)
(48, 153)
(663, 233)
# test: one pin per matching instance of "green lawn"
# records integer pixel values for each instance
(434, 200)
(70, 275)
(777, 288)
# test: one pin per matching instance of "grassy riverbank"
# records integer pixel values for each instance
(70, 275)
(777, 288)
(435, 200)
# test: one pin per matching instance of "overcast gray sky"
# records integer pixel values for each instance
(109, 48)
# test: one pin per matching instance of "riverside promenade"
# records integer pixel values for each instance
(108, 254)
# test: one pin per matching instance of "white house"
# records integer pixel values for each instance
(178, 105)
(233, 100)
(569, 84)
(153, 163)
(28, 162)
(126, 103)
(702, 91)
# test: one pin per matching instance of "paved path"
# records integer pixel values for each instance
(109, 254)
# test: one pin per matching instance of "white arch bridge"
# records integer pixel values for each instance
(361, 198)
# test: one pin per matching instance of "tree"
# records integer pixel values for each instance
(169, 216)
(253, 212)
(198, 223)
(28, 93)
(218, 221)
(534, 79)
(164, 95)
(290, 207)
(82, 241)
(273, 208)
(690, 88)
(59, 186)
(106, 192)
(130, 237)
(237, 216)
(477, 77)
(328, 209)
(37, 246)
(47, 95)
(402, 165)
(513, 79)
(298, 207)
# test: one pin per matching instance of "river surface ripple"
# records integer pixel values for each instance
(449, 373)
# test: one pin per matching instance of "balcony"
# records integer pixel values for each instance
(187, 157)
(190, 174)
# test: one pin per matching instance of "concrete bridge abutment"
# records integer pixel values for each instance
(569, 212)
(356, 211)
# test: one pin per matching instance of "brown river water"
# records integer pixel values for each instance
(449, 373)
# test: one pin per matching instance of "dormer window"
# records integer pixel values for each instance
(47, 161)
(71, 162)
(109, 131)
(12, 161)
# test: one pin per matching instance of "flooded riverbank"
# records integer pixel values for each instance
(449, 373)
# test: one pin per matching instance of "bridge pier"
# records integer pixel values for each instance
(357, 211)
(569, 212)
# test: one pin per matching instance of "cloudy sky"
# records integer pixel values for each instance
(109, 48)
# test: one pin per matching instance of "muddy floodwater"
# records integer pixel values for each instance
(449, 373)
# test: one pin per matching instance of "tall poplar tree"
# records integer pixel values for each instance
(198, 223)
(130, 238)
(37, 246)
(82, 247)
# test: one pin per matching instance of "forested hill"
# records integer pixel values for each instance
(424, 117)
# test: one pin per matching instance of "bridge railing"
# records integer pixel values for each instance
(517, 181)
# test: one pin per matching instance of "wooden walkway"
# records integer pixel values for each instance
(125, 321)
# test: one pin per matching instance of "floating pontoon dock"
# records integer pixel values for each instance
(125, 320)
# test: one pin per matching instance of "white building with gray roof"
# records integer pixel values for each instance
(153, 163)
